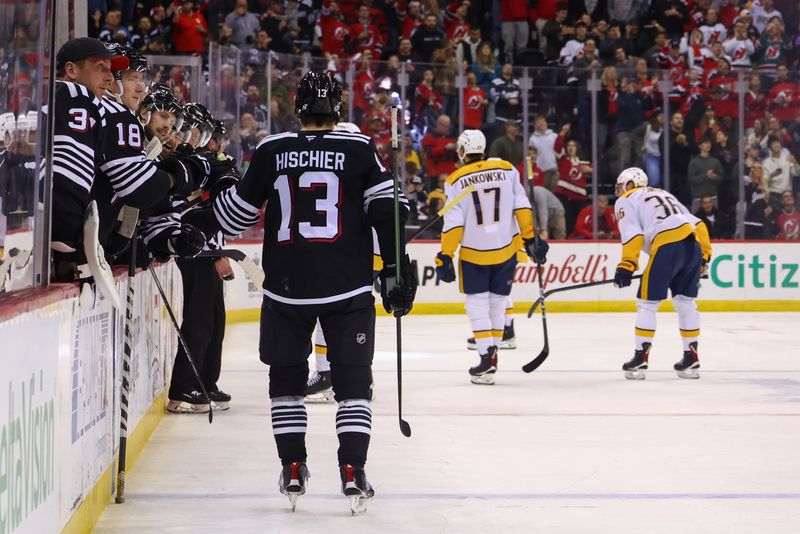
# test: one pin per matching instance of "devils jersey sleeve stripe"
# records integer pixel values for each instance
(234, 214)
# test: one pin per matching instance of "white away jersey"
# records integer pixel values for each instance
(488, 215)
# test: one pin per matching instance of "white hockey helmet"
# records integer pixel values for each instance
(634, 175)
(8, 127)
(347, 127)
(470, 142)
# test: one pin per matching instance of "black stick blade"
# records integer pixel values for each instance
(535, 305)
(405, 428)
(536, 362)
(210, 414)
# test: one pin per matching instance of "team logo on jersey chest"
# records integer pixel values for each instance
(361, 338)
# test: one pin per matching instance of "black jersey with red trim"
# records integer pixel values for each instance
(324, 192)
(78, 122)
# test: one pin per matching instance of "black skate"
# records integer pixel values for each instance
(319, 388)
(356, 487)
(219, 399)
(509, 339)
(293, 481)
(689, 366)
(634, 369)
(484, 372)
(192, 402)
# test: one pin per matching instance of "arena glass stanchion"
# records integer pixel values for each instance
(405, 428)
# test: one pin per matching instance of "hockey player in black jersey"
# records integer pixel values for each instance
(324, 191)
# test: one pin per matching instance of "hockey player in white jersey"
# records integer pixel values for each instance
(653, 221)
(490, 226)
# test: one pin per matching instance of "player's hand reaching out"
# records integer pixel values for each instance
(398, 299)
(445, 271)
(224, 269)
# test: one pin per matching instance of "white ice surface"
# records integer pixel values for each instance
(570, 448)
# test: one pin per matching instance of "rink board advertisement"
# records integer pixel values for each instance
(59, 398)
(753, 271)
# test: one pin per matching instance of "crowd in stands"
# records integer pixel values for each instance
(703, 48)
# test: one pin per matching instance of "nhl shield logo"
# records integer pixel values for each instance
(361, 338)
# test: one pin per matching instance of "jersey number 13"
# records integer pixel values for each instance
(327, 205)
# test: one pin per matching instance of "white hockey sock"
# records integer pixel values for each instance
(354, 415)
(645, 321)
(289, 416)
(509, 311)
(478, 311)
(497, 314)
(688, 319)
(321, 350)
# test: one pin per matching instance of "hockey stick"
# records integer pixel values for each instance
(405, 428)
(153, 149)
(126, 377)
(244, 261)
(536, 362)
(441, 212)
(569, 288)
(183, 342)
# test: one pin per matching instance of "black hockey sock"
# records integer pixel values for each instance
(289, 423)
(353, 427)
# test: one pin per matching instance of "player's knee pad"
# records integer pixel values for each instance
(351, 381)
(477, 305)
(285, 381)
(647, 305)
(499, 301)
(683, 304)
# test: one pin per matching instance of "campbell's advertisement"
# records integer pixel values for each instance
(738, 271)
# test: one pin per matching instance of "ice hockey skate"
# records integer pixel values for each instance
(219, 399)
(356, 488)
(689, 366)
(192, 402)
(293, 481)
(634, 369)
(484, 372)
(509, 339)
(319, 388)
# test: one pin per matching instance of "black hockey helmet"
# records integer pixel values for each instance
(161, 98)
(318, 93)
(136, 60)
(220, 131)
(197, 116)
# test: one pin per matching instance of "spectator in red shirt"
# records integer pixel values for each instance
(189, 29)
(412, 18)
(455, 20)
(606, 222)
(788, 219)
(365, 35)
(572, 172)
(439, 147)
(428, 101)
(784, 97)
(475, 103)
(332, 30)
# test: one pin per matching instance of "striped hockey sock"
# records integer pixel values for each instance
(353, 428)
(289, 424)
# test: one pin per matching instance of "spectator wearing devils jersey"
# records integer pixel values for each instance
(755, 101)
(411, 18)
(428, 101)
(739, 47)
(455, 20)
(475, 103)
(712, 29)
(365, 35)
(572, 172)
(788, 219)
(770, 49)
(606, 221)
(784, 97)
(331, 30)
(83, 68)
(364, 85)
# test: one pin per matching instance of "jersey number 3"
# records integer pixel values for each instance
(669, 206)
(327, 205)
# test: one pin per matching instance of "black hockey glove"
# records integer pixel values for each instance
(184, 180)
(622, 278)
(704, 267)
(399, 299)
(188, 242)
(537, 249)
(445, 271)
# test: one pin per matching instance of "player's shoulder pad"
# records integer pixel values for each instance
(277, 137)
(491, 164)
(112, 107)
(348, 136)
